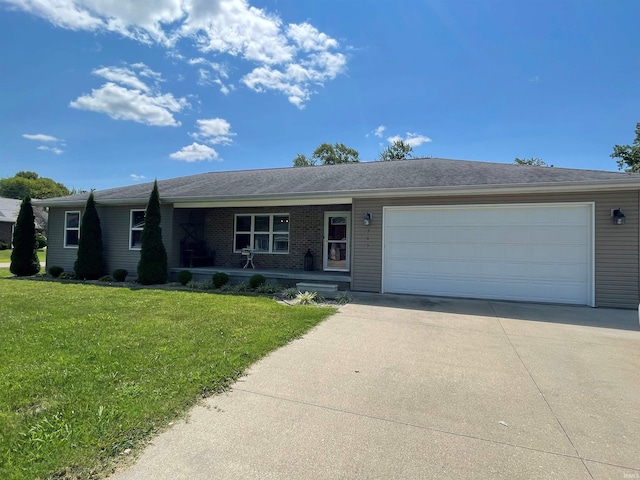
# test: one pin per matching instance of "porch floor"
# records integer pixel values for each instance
(275, 274)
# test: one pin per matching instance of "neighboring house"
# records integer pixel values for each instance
(9, 209)
(423, 226)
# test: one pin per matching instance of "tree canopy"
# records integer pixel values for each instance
(399, 150)
(153, 266)
(629, 155)
(89, 263)
(30, 184)
(534, 161)
(327, 154)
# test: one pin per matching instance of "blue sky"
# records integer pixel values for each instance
(98, 94)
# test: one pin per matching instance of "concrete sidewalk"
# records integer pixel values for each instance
(410, 387)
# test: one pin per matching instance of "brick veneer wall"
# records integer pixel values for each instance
(306, 228)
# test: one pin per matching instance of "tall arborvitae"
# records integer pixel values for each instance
(153, 267)
(24, 257)
(90, 263)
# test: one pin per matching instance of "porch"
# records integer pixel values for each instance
(284, 277)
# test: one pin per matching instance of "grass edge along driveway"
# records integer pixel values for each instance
(89, 371)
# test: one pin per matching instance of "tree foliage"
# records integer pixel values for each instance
(327, 154)
(153, 267)
(24, 257)
(533, 161)
(30, 184)
(89, 263)
(399, 150)
(629, 155)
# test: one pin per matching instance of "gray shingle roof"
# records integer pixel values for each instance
(9, 209)
(348, 179)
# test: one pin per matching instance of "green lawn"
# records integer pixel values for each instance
(88, 371)
(5, 256)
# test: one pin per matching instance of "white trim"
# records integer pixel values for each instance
(592, 283)
(131, 229)
(252, 232)
(325, 240)
(66, 228)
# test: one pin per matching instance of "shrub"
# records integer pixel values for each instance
(153, 265)
(67, 276)
(106, 278)
(89, 263)
(55, 271)
(256, 280)
(343, 298)
(201, 285)
(24, 257)
(306, 298)
(120, 274)
(3, 245)
(269, 288)
(290, 293)
(184, 277)
(41, 240)
(220, 279)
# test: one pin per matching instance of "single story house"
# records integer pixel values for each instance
(422, 226)
(9, 209)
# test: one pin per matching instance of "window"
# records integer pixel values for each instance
(268, 233)
(71, 229)
(137, 225)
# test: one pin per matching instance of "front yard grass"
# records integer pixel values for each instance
(87, 372)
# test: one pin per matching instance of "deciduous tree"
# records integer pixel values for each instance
(629, 155)
(399, 150)
(327, 154)
(536, 162)
(30, 183)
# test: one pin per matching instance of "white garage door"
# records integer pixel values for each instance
(541, 253)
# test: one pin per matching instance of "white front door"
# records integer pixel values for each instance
(337, 244)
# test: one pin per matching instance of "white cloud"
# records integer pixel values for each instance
(137, 178)
(55, 150)
(412, 139)
(378, 131)
(41, 137)
(292, 59)
(214, 131)
(126, 97)
(195, 152)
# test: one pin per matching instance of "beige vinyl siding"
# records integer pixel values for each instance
(616, 246)
(115, 224)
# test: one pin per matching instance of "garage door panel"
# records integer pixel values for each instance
(522, 252)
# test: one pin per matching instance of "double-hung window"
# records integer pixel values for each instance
(263, 233)
(136, 226)
(71, 229)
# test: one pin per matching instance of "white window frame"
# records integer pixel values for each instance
(67, 228)
(133, 228)
(252, 232)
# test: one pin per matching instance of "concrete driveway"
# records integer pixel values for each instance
(412, 387)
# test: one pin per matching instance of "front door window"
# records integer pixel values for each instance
(337, 226)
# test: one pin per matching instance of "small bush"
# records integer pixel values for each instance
(269, 288)
(306, 298)
(290, 293)
(256, 280)
(41, 241)
(343, 298)
(55, 271)
(120, 274)
(67, 276)
(202, 285)
(184, 277)
(106, 278)
(3, 245)
(220, 279)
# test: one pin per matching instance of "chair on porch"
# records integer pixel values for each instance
(249, 254)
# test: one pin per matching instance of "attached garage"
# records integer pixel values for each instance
(528, 252)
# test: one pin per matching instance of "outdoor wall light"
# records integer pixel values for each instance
(367, 219)
(618, 217)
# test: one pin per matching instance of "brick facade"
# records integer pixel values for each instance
(306, 228)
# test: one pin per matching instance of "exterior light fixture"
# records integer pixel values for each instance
(367, 219)
(618, 217)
